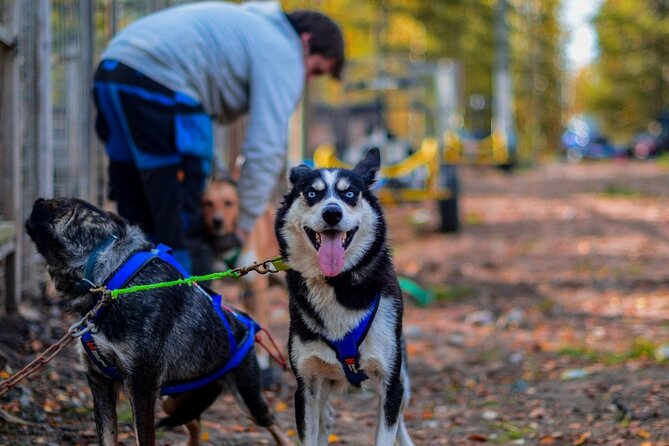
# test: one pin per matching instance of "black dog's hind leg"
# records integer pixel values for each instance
(105, 395)
(247, 382)
(188, 406)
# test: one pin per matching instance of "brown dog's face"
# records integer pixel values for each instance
(220, 208)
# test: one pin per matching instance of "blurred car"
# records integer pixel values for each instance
(653, 142)
(645, 145)
(582, 139)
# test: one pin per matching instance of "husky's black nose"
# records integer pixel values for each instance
(332, 214)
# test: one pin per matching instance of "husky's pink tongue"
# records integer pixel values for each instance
(331, 253)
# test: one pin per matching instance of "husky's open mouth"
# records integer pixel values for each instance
(316, 238)
(330, 246)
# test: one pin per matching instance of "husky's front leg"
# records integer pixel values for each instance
(105, 395)
(307, 410)
(326, 413)
(389, 411)
(403, 438)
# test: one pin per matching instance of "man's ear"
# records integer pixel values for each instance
(305, 38)
(297, 172)
(368, 167)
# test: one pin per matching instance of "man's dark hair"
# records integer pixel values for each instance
(326, 38)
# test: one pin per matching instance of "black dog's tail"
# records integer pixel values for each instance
(188, 406)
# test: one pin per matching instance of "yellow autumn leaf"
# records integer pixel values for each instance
(280, 407)
(333, 438)
(644, 434)
(291, 433)
(4, 374)
(204, 436)
(582, 439)
(646, 443)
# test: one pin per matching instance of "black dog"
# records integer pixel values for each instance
(345, 301)
(149, 341)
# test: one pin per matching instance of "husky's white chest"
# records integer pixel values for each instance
(317, 358)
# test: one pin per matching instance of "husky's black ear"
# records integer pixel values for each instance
(297, 172)
(369, 166)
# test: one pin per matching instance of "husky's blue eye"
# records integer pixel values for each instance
(349, 194)
(311, 194)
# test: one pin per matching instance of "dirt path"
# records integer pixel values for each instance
(552, 307)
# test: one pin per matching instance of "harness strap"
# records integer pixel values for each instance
(347, 348)
(238, 351)
(91, 349)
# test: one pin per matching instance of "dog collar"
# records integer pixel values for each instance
(347, 348)
(86, 283)
(238, 350)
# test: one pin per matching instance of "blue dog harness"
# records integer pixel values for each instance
(136, 262)
(347, 348)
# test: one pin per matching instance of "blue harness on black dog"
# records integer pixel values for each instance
(136, 262)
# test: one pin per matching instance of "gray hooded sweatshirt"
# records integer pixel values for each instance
(234, 59)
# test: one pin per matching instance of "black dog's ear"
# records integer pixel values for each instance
(369, 166)
(298, 172)
(121, 222)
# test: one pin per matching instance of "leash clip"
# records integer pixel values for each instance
(75, 331)
(268, 266)
(89, 326)
(99, 289)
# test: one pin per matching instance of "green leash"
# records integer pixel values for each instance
(268, 266)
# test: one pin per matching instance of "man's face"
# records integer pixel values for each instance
(318, 65)
(315, 64)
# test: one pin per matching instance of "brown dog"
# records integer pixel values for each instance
(220, 206)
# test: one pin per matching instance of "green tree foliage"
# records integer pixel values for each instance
(463, 30)
(628, 86)
(538, 74)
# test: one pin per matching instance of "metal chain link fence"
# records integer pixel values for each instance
(58, 45)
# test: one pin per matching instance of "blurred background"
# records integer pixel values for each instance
(493, 82)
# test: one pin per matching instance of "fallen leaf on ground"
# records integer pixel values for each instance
(582, 439)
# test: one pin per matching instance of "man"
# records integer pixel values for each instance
(162, 80)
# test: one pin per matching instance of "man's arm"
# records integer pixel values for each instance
(275, 89)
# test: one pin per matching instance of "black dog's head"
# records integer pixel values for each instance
(330, 220)
(66, 231)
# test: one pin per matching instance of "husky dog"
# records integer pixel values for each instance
(150, 339)
(345, 302)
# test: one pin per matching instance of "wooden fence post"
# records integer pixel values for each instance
(10, 146)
